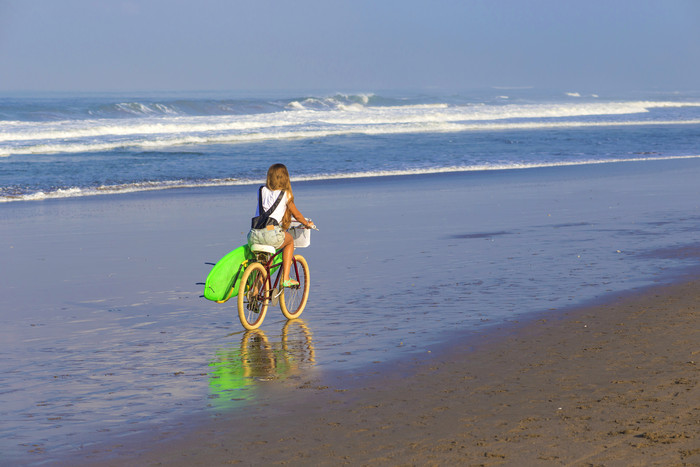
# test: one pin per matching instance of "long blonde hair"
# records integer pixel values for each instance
(278, 179)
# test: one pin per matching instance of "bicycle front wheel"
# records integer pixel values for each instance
(253, 296)
(293, 299)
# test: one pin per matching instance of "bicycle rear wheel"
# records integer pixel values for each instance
(253, 296)
(293, 299)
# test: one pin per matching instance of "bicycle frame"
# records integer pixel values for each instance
(267, 260)
(258, 288)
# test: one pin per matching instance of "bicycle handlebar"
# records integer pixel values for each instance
(300, 226)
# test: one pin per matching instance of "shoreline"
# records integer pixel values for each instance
(118, 341)
(614, 383)
(146, 187)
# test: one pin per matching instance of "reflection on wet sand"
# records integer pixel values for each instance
(237, 372)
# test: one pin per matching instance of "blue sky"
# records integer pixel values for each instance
(355, 45)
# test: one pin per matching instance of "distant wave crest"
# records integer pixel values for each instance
(162, 126)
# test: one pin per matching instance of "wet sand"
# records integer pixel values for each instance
(111, 361)
(609, 384)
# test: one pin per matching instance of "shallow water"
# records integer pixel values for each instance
(117, 339)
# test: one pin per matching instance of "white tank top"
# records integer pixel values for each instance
(268, 199)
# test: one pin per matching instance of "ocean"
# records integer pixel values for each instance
(58, 146)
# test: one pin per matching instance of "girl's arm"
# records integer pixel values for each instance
(297, 215)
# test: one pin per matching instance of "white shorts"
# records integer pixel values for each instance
(273, 237)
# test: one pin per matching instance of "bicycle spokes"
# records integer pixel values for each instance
(254, 296)
(293, 299)
(256, 292)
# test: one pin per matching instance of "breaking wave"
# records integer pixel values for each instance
(314, 118)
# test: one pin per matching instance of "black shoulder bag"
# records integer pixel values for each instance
(264, 219)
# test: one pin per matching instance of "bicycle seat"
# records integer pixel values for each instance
(255, 248)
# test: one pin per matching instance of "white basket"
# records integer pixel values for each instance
(300, 234)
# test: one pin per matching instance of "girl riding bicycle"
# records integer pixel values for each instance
(270, 224)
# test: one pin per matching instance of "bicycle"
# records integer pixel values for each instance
(257, 289)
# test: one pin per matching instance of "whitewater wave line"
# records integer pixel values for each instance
(12, 131)
(77, 192)
(164, 143)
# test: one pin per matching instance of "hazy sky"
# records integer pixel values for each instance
(348, 45)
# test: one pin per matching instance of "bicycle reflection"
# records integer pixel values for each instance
(236, 373)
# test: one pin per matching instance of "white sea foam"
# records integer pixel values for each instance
(314, 118)
(139, 109)
(166, 140)
(350, 114)
(173, 184)
(483, 168)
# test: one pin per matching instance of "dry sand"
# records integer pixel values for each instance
(610, 384)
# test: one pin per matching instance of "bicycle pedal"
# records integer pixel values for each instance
(254, 307)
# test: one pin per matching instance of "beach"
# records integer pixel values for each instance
(517, 317)
(506, 264)
(612, 384)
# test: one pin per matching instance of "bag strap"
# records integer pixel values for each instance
(272, 208)
(261, 211)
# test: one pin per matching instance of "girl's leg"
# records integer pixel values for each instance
(287, 255)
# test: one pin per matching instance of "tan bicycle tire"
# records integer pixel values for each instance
(244, 314)
(292, 308)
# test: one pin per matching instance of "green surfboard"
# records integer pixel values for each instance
(223, 279)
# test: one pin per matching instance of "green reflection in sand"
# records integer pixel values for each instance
(237, 372)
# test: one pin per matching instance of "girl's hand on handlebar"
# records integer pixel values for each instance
(311, 225)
